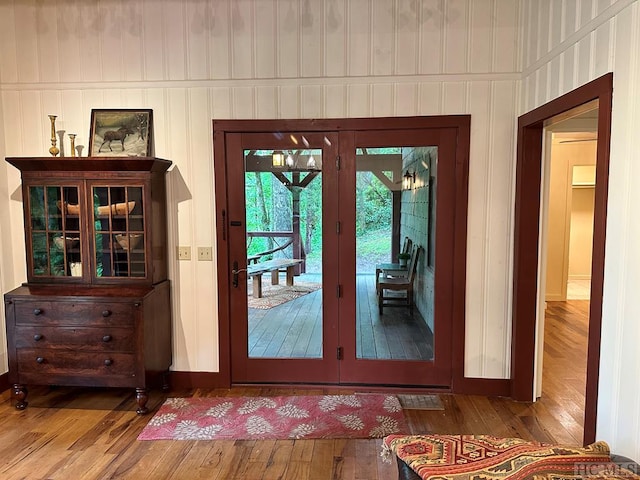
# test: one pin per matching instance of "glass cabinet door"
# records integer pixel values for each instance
(118, 216)
(54, 230)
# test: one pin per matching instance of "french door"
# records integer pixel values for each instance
(274, 178)
(312, 219)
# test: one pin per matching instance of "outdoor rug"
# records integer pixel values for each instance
(285, 417)
(420, 402)
(274, 295)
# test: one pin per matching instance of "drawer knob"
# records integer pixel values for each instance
(108, 362)
(40, 360)
(37, 311)
(106, 338)
(106, 313)
(37, 337)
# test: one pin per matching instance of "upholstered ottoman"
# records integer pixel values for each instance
(458, 457)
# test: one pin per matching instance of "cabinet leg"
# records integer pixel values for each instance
(20, 394)
(142, 395)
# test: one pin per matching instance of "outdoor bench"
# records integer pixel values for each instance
(256, 270)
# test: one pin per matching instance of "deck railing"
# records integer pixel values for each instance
(295, 242)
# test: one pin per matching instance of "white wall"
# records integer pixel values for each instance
(568, 238)
(5, 246)
(580, 244)
(566, 44)
(191, 61)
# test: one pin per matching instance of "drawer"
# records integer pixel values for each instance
(74, 313)
(77, 363)
(107, 339)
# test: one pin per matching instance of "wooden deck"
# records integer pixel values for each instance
(294, 329)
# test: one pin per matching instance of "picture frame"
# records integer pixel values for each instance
(121, 133)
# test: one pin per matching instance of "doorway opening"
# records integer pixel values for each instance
(569, 181)
(527, 231)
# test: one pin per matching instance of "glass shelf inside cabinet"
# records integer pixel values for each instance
(119, 225)
(55, 230)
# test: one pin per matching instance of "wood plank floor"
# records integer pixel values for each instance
(69, 433)
(565, 361)
(294, 329)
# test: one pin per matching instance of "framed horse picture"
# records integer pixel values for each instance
(121, 133)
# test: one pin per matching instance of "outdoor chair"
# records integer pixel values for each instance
(406, 246)
(386, 284)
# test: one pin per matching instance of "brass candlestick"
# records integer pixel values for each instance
(53, 150)
(72, 138)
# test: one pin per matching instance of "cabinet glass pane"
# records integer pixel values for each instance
(54, 230)
(119, 231)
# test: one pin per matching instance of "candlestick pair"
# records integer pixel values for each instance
(55, 150)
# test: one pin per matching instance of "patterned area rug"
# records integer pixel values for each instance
(274, 295)
(461, 457)
(259, 418)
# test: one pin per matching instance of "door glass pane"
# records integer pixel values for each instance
(284, 253)
(395, 215)
(119, 231)
(55, 230)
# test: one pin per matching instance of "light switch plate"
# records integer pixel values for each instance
(205, 254)
(184, 253)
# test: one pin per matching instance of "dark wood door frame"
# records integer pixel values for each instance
(526, 241)
(461, 123)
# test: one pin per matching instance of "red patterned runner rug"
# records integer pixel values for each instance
(259, 418)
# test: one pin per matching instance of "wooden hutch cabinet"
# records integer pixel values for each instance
(96, 308)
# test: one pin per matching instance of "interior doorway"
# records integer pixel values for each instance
(527, 231)
(567, 216)
(351, 164)
(569, 179)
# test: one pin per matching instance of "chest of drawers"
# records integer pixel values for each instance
(100, 337)
(95, 310)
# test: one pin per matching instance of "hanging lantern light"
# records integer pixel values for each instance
(407, 180)
(277, 159)
(290, 161)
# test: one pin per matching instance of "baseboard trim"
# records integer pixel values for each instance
(555, 298)
(490, 387)
(187, 380)
(4, 382)
(579, 277)
(465, 386)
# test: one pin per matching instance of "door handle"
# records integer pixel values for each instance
(235, 273)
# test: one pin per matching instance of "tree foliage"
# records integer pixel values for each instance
(373, 204)
(269, 207)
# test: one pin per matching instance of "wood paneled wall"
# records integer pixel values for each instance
(566, 44)
(197, 60)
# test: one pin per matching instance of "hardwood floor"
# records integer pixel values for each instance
(294, 329)
(68, 433)
(565, 362)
